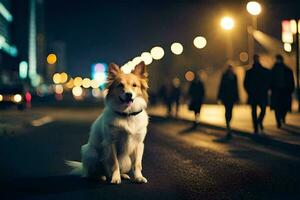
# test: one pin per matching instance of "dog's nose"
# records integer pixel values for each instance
(128, 95)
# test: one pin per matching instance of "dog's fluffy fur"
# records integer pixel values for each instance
(116, 141)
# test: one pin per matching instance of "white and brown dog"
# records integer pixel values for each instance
(116, 141)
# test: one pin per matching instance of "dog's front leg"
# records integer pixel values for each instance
(137, 167)
(116, 177)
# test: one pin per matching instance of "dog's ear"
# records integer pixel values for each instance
(113, 69)
(141, 70)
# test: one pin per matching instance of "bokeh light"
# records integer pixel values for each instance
(17, 98)
(244, 56)
(200, 42)
(56, 78)
(96, 92)
(63, 77)
(70, 84)
(86, 83)
(287, 47)
(1, 97)
(59, 89)
(253, 7)
(77, 81)
(157, 53)
(95, 84)
(137, 60)
(227, 23)
(51, 59)
(77, 91)
(177, 48)
(147, 58)
(189, 76)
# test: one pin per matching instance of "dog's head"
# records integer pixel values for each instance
(127, 92)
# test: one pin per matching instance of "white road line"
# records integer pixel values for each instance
(42, 121)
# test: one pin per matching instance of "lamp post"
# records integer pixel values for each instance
(253, 8)
(227, 23)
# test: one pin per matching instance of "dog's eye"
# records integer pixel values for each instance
(134, 85)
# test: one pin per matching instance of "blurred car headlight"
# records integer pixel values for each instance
(17, 98)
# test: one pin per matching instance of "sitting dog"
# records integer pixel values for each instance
(116, 141)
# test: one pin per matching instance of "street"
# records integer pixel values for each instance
(179, 162)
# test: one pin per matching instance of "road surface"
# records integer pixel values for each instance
(179, 163)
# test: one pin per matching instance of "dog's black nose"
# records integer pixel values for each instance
(128, 95)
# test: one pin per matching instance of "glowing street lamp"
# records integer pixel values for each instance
(253, 7)
(200, 42)
(227, 23)
(177, 48)
(157, 53)
(51, 59)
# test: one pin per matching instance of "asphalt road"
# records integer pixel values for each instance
(179, 163)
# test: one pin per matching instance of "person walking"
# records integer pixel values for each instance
(196, 94)
(175, 95)
(282, 88)
(257, 84)
(228, 95)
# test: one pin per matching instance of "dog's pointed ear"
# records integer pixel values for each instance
(113, 69)
(141, 70)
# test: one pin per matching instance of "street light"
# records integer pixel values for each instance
(177, 48)
(227, 23)
(253, 8)
(200, 42)
(157, 53)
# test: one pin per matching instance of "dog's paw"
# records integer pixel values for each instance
(125, 176)
(116, 180)
(140, 179)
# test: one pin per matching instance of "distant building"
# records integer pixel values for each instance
(8, 52)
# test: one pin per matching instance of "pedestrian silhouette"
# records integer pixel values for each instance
(196, 94)
(175, 95)
(164, 93)
(257, 84)
(282, 87)
(228, 94)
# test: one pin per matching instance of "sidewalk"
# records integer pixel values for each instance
(241, 121)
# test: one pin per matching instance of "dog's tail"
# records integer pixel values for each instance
(76, 167)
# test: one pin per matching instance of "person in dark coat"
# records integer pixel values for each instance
(175, 95)
(196, 94)
(282, 87)
(228, 94)
(257, 84)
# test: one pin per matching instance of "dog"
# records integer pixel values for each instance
(116, 140)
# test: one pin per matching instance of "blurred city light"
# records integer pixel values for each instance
(147, 58)
(96, 92)
(64, 77)
(189, 76)
(28, 96)
(253, 7)
(287, 31)
(200, 42)
(227, 23)
(70, 84)
(157, 53)
(51, 59)
(1, 97)
(95, 84)
(77, 91)
(287, 47)
(36, 80)
(23, 69)
(59, 89)
(136, 60)
(77, 81)
(127, 68)
(86, 83)
(177, 48)
(17, 98)
(244, 56)
(99, 72)
(293, 25)
(56, 78)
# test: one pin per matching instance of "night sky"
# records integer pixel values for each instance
(117, 31)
